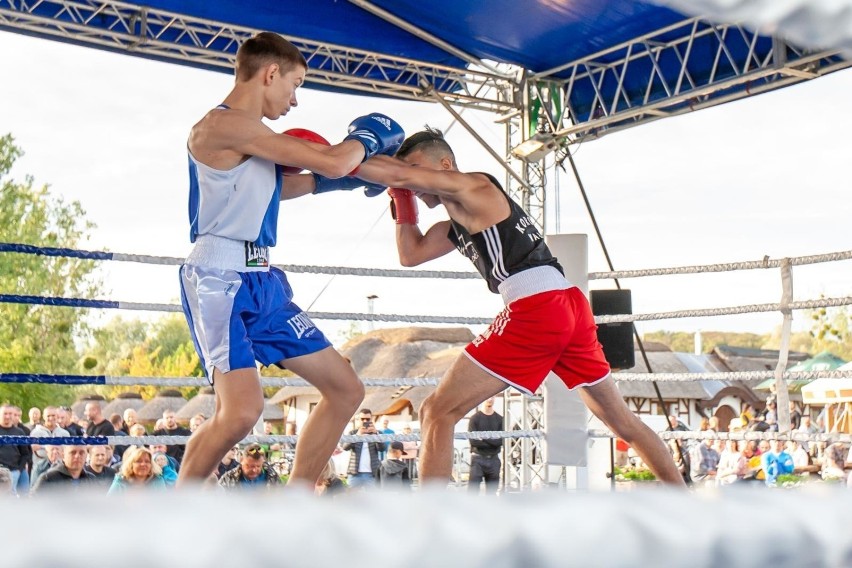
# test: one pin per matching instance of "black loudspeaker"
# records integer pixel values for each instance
(616, 338)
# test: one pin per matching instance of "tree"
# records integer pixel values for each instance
(37, 338)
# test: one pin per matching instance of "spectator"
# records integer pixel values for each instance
(98, 425)
(795, 416)
(364, 461)
(24, 480)
(66, 421)
(118, 425)
(50, 429)
(34, 414)
(801, 459)
(411, 448)
(13, 458)
(169, 474)
(129, 419)
(228, 462)
(53, 455)
(776, 462)
(5, 482)
(384, 428)
(162, 449)
(196, 421)
(676, 424)
(138, 470)
(329, 483)
(704, 461)
(807, 427)
(732, 465)
(97, 465)
(485, 454)
(171, 428)
(834, 462)
(253, 471)
(680, 455)
(393, 472)
(68, 473)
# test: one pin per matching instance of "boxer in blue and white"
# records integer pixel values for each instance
(239, 309)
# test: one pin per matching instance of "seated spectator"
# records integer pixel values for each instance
(169, 474)
(162, 449)
(703, 461)
(776, 462)
(834, 462)
(732, 465)
(97, 465)
(170, 427)
(196, 421)
(138, 470)
(34, 415)
(53, 456)
(253, 471)
(801, 459)
(329, 482)
(393, 472)
(129, 420)
(228, 462)
(68, 473)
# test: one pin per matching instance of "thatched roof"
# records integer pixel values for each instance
(286, 393)
(664, 361)
(202, 403)
(272, 411)
(167, 399)
(122, 402)
(413, 352)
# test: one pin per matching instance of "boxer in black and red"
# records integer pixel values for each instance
(547, 324)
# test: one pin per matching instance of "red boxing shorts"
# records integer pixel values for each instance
(550, 331)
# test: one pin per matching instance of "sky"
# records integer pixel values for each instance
(766, 176)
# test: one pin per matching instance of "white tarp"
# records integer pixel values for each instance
(827, 391)
(757, 527)
(808, 23)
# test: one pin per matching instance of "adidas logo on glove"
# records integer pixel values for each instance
(383, 120)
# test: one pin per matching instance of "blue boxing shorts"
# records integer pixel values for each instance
(237, 318)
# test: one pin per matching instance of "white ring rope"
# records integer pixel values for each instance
(433, 381)
(724, 267)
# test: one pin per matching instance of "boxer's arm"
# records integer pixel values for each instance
(416, 248)
(297, 186)
(393, 172)
(224, 137)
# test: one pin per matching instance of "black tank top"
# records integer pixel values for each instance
(505, 248)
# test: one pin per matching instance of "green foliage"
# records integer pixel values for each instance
(633, 474)
(34, 338)
(139, 349)
(684, 342)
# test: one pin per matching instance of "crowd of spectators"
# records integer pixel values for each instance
(115, 468)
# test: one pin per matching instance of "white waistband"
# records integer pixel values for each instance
(532, 281)
(227, 254)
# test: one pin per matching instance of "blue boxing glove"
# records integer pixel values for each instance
(346, 183)
(378, 133)
(374, 189)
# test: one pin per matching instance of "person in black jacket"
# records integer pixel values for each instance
(393, 473)
(363, 468)
(67, 474)
(13, 458)
(485, 454)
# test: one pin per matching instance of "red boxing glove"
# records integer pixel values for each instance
(403, 206)
(302, 134)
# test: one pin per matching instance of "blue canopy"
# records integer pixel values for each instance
(591, 66)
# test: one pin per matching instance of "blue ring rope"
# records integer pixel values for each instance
(20, 378)
(57, 441)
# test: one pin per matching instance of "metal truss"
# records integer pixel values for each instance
(177, 38)
(591, 97)
(524, 466)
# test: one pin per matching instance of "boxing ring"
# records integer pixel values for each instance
(543, 525)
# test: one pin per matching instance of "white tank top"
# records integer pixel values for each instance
(239, 204)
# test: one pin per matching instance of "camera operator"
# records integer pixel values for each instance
(364, 460)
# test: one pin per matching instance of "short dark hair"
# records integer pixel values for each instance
(365, 411)
(431, 140)
(266, 48)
